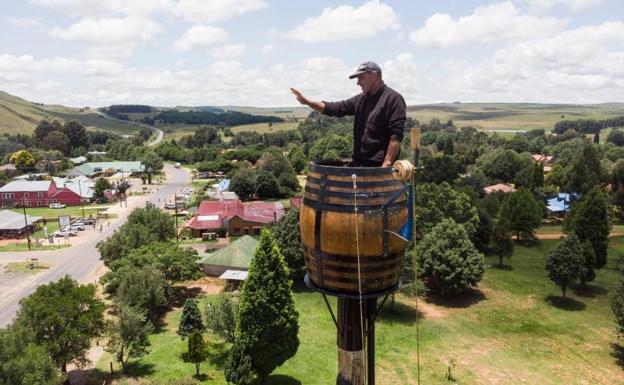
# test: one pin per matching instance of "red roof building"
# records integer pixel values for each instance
(36, 194)
(235, 216)
(295, 202)
(500, 187)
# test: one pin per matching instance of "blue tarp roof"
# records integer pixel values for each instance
(560, 204)
(224, 185)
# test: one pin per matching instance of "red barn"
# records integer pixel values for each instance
(35, 194)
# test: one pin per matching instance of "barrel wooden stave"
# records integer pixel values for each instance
(335, 265)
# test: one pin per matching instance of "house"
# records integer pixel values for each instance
(36, 194)
(222, 195)
(500, 187)
(235, 256)
(560, 204)
(14, 225)
(81, 185)
(9, 169)
(540, 158)
(296, 202)
(78, 160)
(97, 169)
(234, 216)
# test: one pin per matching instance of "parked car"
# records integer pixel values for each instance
(177, 165)
(88, 221)
(65, 232)
(57, 205)
(170, 206)
(78, 226)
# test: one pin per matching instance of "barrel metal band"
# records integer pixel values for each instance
(348, 171)
(348, 184)
(319, 205)
(347, 195)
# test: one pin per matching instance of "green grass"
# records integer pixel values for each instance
(25, 267)
(515, 329)
(264, 128)
(511, 116)
(73, 211)
(23, 246)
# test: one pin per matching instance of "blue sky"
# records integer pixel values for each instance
(249, 52)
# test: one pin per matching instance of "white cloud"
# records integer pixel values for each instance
(490, 23)
(267, 49)
(228, 52)
(200, 35)
(109, 30)
(347, 23)
(208, 11)
(24, 22)
(99, 8)
(577, 65)
(575, 5)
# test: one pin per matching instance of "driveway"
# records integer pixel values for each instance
(82, 260)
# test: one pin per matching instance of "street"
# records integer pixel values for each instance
(81, 261)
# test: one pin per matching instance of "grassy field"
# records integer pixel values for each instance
(21, 116)
(515, 329)
(23, 246)
(73, 211)
(24, 267)
(264, 128)
(509, 116)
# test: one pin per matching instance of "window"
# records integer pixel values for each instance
(26, 195)
(38, 203)
(39, 195)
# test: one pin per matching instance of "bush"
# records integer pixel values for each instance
(448, 262)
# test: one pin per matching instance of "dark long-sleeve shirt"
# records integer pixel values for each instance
(378, 118)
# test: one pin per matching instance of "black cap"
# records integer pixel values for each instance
(368, 66)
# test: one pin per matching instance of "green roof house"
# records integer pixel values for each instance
(236, 256)
(95, 169)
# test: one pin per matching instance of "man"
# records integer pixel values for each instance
(379, 117)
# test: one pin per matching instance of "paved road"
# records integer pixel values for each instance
(81, 261)
(159, 133)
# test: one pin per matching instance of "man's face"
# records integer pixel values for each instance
(367, 81)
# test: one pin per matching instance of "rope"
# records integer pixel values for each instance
(357, 247)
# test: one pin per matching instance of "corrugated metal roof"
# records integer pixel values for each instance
(10, 220)
(236, 275)
(237, 254)
(124, 166)
(25, 185)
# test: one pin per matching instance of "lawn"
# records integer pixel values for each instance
(73, 211)
(515, 329)
(23, 246)
(25, 267)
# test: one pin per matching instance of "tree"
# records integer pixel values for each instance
(144, 289)
(501, 235)
(128, 336)
(268, 321)
(23, 160)
(564, 262)
(101, 185)
(447, 261)
(152, 160)
(191, 320)
(76, 134)
(63, 317)
(331, 147)
(536, 177)
(589, 220)
(438, 169)
(617, 305)
(22, 361)
(616, 137)
(44, 128)
(437, 202)
(287, 234)
(56, 140)
(266, 185)
(500, 164)
(239, 368)
(243, 183)
(525, 214)
(585, 172)
(221, 316)
(588, 269)
(298, 159)
(197, 350)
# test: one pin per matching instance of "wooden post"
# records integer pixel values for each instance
(351, 357)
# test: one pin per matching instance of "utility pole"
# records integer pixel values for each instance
(81, 201)
(26, 223)
(175, 203)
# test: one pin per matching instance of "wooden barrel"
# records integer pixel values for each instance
(328, 228)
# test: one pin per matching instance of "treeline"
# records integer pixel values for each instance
(230, 118)
(588, 126)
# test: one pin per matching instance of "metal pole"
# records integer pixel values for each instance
(175, 203)
(371, 310)
(26, 223)
(81, 202)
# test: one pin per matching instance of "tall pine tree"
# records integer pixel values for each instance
(589, 219)
(191, 320)
(266, 333)
(502, 244)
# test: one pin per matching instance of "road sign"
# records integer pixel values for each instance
(64, 221)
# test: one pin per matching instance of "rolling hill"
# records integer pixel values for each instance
(21, 116)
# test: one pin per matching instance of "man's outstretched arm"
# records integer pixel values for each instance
(316, 106)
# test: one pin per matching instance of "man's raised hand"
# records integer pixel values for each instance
(300, 98)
